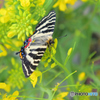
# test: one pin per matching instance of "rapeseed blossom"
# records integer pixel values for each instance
(34, 77)
(81, 76)
(4, 16)
(25, 3)
(84, 0)
(11, 97)
(61, 96)
(70, 51)
(41, 2)
(62, 4)
(5, 86)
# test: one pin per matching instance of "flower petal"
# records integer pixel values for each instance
(56, 4)
(62, 6)
(4, 52)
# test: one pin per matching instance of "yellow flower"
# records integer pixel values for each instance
(7, 46)
(55, 43)
(11, 97)
(41, 2)
(49, 60)
(81, 76)
(53, 65)
(5, 87)
(2, 85)
(34, 22)
(46, 64)
(25, 3)
(17, 43)
(34, 77)
(11, 34)
(4, 52)
(62, 4)
(4, 16)
(60, 96)
(16, 93)
(84, 0)
(69, 51)
(72, 2)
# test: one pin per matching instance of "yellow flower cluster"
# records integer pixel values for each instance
(11, 97)
(62, 4)
(25, 3)
(16, 76)
(18, 20)
(34, 76)
(4, 16)
(7, 89)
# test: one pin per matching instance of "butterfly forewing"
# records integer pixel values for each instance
(47, 23)
(38, 45)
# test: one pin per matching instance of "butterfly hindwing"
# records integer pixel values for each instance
(36, 48)
(31, 60)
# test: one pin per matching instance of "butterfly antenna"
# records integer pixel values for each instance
(62, 36)
(17, 53)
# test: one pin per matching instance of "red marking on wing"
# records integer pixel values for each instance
(29, 40)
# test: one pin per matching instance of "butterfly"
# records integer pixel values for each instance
(35, 46)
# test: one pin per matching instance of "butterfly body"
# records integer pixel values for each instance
(35, 46)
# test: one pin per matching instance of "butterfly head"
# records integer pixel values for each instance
(49, 42)
(21, 53)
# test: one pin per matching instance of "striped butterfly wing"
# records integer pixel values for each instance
(33, 57)
(37, 47)
(47, 24)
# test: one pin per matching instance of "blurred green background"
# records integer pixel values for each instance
(80, 21)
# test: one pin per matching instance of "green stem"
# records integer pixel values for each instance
(46, 70)
(68, 76)
(65, 69)
(69, 86)
(60, 65)
(28, 97)
(63, 81)
(53, 78)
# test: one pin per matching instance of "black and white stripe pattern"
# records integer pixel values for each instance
(47, 23)
(36, 49)
(32, 60)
